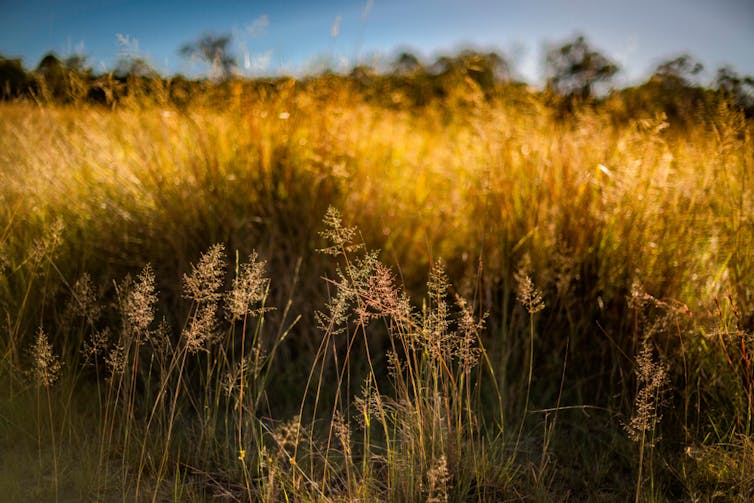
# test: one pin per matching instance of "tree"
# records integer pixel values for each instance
(406, 64)
(213, 50)
(483, 67)
(14, 80)
(574, 68)
(739, 88)
(77, 64)
(53, 77)
(49, 65)
(483, 70)
(681, 71)
(362, 74)
(134, 67)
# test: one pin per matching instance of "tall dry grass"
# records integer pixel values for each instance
(422, 371)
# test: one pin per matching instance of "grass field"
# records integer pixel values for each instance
(295, 292)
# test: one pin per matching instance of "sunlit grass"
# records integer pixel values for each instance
(639, 235)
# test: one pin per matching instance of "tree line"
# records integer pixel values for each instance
(576, 74)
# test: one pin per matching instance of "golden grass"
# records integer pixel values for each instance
(213, 381)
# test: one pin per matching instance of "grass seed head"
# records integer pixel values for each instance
(201, 332)
(46, 365)
(340, 237)
(84, 299)
(116, 361)
(206, 278)
(95, 345)
(528, 295)
(248, 290)
(653, 381)
(437, 479)
(140, 303)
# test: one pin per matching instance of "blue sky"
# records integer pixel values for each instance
(296, 36)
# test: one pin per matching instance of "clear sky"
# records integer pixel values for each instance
(296, 35)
